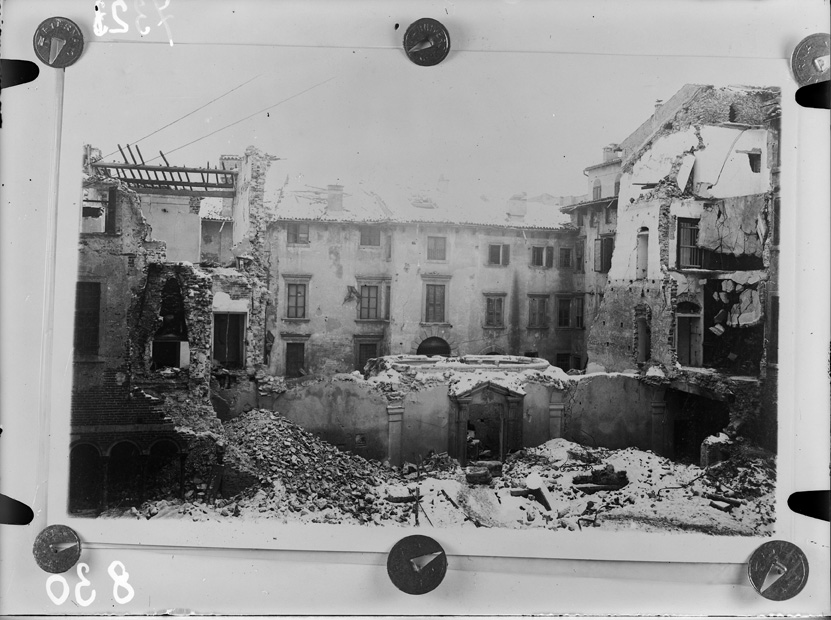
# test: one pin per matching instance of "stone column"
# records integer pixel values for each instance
(556, 407)
(395, 417)
(658, 410)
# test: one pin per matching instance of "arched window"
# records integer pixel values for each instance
(643, 253)
(434, 346)
(596, 190)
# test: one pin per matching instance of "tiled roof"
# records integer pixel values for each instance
(286, 200)
(605, 203)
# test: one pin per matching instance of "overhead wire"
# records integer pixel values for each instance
(237, 122)
(153, 133)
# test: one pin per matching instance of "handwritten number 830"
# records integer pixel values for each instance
(120, 584)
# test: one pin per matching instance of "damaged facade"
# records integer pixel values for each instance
(168, 317)
(691, 291)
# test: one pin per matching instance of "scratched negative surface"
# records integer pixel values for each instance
(321, 285)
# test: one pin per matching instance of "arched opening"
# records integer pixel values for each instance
(643, 252)
(644, 340)
(124, 476)
(162, 476)
(171, 339)
(689, 335)
(86, 476)
(434, 346)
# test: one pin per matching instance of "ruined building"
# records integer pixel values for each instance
(691, 297)
(169, 293)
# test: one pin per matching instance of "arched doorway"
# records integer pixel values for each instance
(86, 476)
(434, 346)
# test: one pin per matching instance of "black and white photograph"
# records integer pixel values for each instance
(441, 274)
(332, 296)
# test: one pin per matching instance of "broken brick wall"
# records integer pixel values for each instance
(145, 321)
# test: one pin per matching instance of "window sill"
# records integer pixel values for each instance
(539, 267)
(100, 234)
(369, 247)
(538, 327)
(425, 323)
(289, 320)
(298, 245)
(576, 329)
(496, 265)
(372, 320)
(436, 261)
(494, 327)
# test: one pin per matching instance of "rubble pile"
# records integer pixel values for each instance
(299, 471)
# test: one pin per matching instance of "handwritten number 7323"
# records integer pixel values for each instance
(119, 11)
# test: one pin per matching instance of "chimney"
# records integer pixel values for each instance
(517, 206)
(658, 104)
(334, 201)
(609, 152)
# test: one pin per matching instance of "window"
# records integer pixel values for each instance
(563, 361)
(369, 302)
(538, 311)
(87, 317)
(617, 185)
(370, 236)
(608, 214)
(755, 161)
(298, 233)
(436, 248)
(643, 253)
(366, 351)
(570, 312)
(542, 256)
(579, 254)
(603, 248)
(499, 254)
(229, 337)
(295, 359)
(99, 214)
(689, 254)
(580, 218)
(577, 312)
(296, 304)
(596, 190)
(592, 218)
(565, 257)
(434, 311)
(494, 310)
(564, 312)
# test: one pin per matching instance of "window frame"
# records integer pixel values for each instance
(431, 239)
(383, 284)
(368, 234)
(94, 347)
(294, 231)
(435, 311)
(504, 251)
(580, 256)
(692, 224)
(604, 247)
(576, 314)
(546, 256)
(538, 319)
(241, 335)
(567, 264)
(597, 190)
(491, 299)
(297, 280)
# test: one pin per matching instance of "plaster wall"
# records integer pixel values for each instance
(344, 414)
(535, 415)
(175, 222)
(613, 411)
(427, 414)
(334, 260)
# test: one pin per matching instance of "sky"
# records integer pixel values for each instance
(498, 123)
